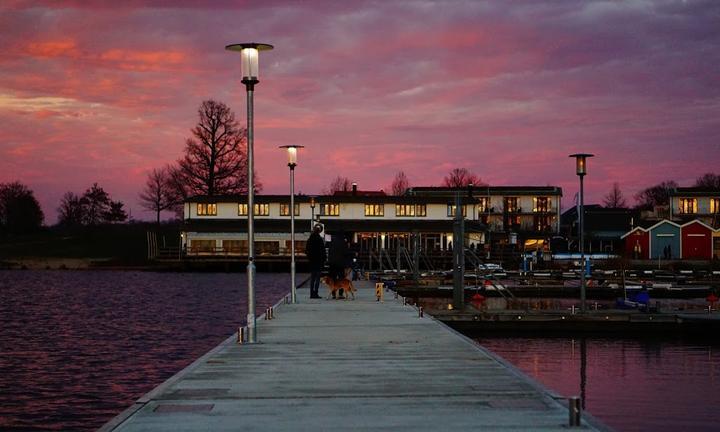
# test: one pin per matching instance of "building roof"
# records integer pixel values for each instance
(360, 193)
(485, 190)
(320, 199)
(694, 192)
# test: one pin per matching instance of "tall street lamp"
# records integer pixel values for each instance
(249, 67)
(581, 170)
(292, 162)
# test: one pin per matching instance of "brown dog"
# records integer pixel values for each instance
(334, 287)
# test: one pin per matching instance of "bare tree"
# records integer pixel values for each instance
(655, 195)
(157, 194)
(70, 212)
(461, 177)
(215, 160)
(615, 199)
(339, 184)
(709, 181)
(399, 184)
(178, 191)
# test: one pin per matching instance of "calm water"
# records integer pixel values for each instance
(77, 348)
(628, 384)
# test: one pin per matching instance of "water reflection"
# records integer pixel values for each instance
(629, 384)
(79, 347)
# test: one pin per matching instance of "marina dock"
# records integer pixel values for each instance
(349, 365)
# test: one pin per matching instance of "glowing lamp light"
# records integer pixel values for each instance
(249, 53)
(581, 162)
(292, 154)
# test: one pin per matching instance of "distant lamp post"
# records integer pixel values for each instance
(312, 213)
(249, 67)
(581, 170)
(292, 163)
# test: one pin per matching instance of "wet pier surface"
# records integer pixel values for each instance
(348, 365)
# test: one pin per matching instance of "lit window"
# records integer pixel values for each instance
(420, 210)
(513, 220)
(482, 205)
(207, 209)
(258, 209)
(542, 222)
(329, 210)
(404, 210)
(261, 210)
(451, 210)
(541, 204)
(510, 204)
(714, 205)
(374, 209)
(688, 205)
(285, 209)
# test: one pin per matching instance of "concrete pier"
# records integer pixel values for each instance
(348, 365)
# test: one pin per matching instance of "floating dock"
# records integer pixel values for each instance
(349, 365)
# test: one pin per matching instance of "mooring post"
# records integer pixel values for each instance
(458, 256)
(575, 412)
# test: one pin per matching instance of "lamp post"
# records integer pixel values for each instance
(312, 213)
(292, 162)
(581, 170)
(249, 67)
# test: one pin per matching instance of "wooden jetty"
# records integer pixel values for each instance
(349, 365)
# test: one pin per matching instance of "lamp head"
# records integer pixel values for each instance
(292, 154)
(581, 162)
(249, 58)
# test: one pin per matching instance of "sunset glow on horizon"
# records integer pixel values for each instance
(106, 91)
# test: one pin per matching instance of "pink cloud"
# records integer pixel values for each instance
(105, 91)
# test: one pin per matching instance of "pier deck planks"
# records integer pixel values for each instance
(347, 365)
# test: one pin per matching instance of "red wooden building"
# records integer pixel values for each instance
(637, 243)
(696, 240)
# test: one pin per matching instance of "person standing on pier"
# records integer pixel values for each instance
(315, 252)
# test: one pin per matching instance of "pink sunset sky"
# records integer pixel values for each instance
(94, 91)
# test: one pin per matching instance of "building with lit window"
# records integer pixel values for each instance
(372, 220)
(689, 203)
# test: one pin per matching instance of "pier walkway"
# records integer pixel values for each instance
(347, 365)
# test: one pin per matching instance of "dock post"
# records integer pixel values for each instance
(458, 253)
(574, 411)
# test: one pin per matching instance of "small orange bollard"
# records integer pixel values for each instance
(379, 289)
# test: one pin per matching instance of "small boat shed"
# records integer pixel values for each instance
(637, 243)
(697, 240)
(665, 240)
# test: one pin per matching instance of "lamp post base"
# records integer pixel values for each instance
(251, 324)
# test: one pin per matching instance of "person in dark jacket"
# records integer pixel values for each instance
(315, 252)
